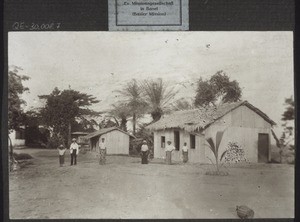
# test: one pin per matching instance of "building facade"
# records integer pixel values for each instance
(241, 122)
(116, 140)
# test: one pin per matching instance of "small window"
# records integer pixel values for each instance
(20, 134)
(163, 142)
(192, 141)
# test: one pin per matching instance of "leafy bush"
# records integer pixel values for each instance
(22, 156)
(54, 142)
(82, 150)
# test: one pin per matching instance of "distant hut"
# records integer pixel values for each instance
(81, 138)
(117, 140)
(17, 137)
(243, 123)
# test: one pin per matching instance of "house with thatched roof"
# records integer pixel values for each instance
(241, 122)
(117, 140)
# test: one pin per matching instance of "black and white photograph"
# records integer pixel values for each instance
(151, 125)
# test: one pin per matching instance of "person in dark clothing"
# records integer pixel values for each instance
(144, 152)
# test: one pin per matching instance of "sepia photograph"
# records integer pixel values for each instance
(151, 125)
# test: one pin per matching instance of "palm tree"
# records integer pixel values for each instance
(132, 94)
(120, 112)
(158, 96)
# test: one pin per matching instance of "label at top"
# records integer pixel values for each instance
(148, 15)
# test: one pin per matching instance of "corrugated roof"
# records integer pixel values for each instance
(105, 130)
(201, 118)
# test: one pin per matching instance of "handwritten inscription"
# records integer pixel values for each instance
(19, 26)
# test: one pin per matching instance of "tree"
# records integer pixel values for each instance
(288, 117)
(132, 103)
(16, 114)
(85, 124)
(217, 88)
(158, 96)
(182, 104)
(289, 113)
(35, 136)
(120, 113)
(65, 107)
(107, 123)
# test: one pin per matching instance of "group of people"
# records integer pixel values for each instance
(169, 149)
(74, 150)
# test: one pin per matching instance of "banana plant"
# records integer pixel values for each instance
(214, 147)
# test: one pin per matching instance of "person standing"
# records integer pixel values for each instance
(102, 152)
(61, 152)
(144, 152)
(169, 150)
(74, 150)
(185, 153)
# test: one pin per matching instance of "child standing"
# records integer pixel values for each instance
(61, 152)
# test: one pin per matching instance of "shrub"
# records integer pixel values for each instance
(234, 153)
(54, 142)
(82, 150)
(22, 156)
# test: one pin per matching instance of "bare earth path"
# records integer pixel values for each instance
(123, 188)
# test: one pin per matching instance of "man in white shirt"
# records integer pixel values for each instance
(74, 150)
(169, 149)
(102, 151)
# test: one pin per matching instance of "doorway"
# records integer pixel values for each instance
(263, 148)
(176, 140)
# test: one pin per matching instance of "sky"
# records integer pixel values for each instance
(99, 63)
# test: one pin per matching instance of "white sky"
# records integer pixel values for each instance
(100, 62)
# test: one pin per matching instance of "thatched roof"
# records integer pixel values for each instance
(201, 118)
(79, 133)
(104, 131)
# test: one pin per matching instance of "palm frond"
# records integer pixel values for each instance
(211, 145)
(219, 137)
(223, 154)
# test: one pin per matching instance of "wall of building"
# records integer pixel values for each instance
(116, 142)
(243, 126)
(14, 140)
(195, 155)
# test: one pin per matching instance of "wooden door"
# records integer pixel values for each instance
(263, 148)
(176, 140)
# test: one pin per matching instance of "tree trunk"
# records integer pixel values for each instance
(13, 164)
(123, 124)
(280, 155)
(133, 123)
(156, 115)
(69, 134)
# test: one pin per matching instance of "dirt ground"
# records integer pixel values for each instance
(123, 188)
